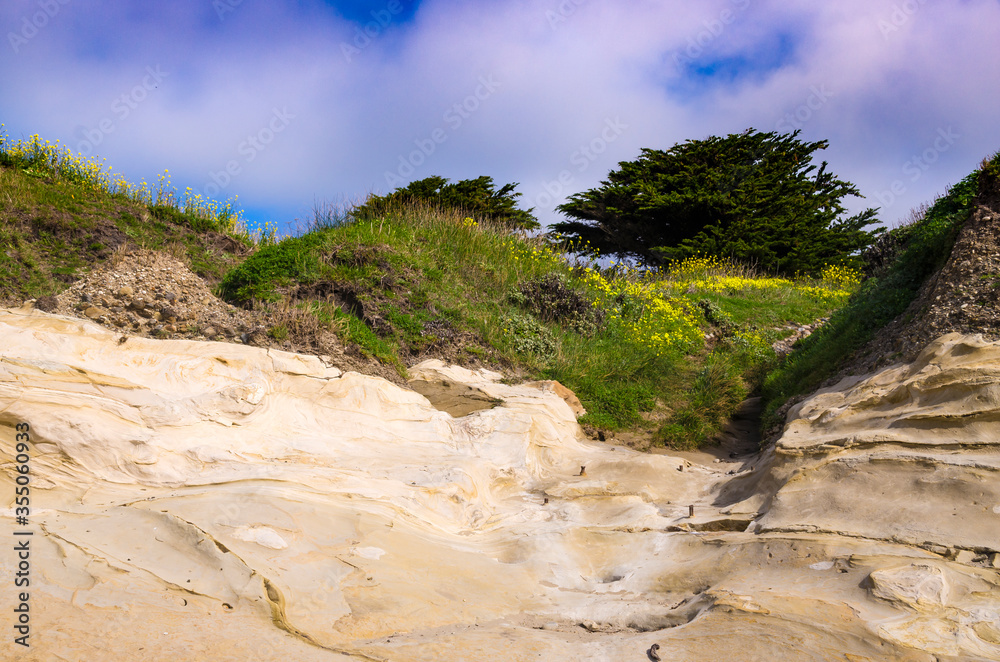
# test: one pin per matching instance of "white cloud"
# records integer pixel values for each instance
(557, 82)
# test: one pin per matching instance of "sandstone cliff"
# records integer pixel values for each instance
(200, 500)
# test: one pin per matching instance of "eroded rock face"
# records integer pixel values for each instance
(911, 454)
(199, 501)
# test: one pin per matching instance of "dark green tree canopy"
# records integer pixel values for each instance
(476, 197)
(752, 197)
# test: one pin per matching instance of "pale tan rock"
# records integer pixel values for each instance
(451, 388)
(911, 454)
(914, 585)
(964, 556)
(566, 394)
(197, 500)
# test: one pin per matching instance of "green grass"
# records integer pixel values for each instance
(60, 215)
(415, 268)
(767, 308)
(878, 302)
(418, 282)
(629, 345)
(715, 392)
(616, 379)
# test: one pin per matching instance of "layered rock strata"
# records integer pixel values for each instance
(198, 500)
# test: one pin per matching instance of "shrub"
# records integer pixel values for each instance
(551, 299)
(714, 315)
(475, 197)
(293, 258)
(527, 336)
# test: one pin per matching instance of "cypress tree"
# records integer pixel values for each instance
(752, 197)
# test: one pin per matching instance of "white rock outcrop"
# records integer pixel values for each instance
(195, 500)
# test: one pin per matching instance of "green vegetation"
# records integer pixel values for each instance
(52, 163)
(668, 352)
(917, 250)
(420, 280)
(752, 197)
(61, 214)
(470, 197)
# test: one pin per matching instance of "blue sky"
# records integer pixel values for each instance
(289, 104)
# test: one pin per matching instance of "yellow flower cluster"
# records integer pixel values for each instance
(635, 303)
(469, 222)
(630, 300)
(532, 255)
(843, 278)
(720, 276)
(35, 155)
(700, 267)
(737, 284)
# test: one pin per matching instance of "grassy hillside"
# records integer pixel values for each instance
(422, 282)
(62, 214)
(667, 354)
(907, 257)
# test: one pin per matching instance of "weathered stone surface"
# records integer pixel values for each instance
(197, 501)
(95, 312)
(448, 388)
(911, 454)
(567, 395)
